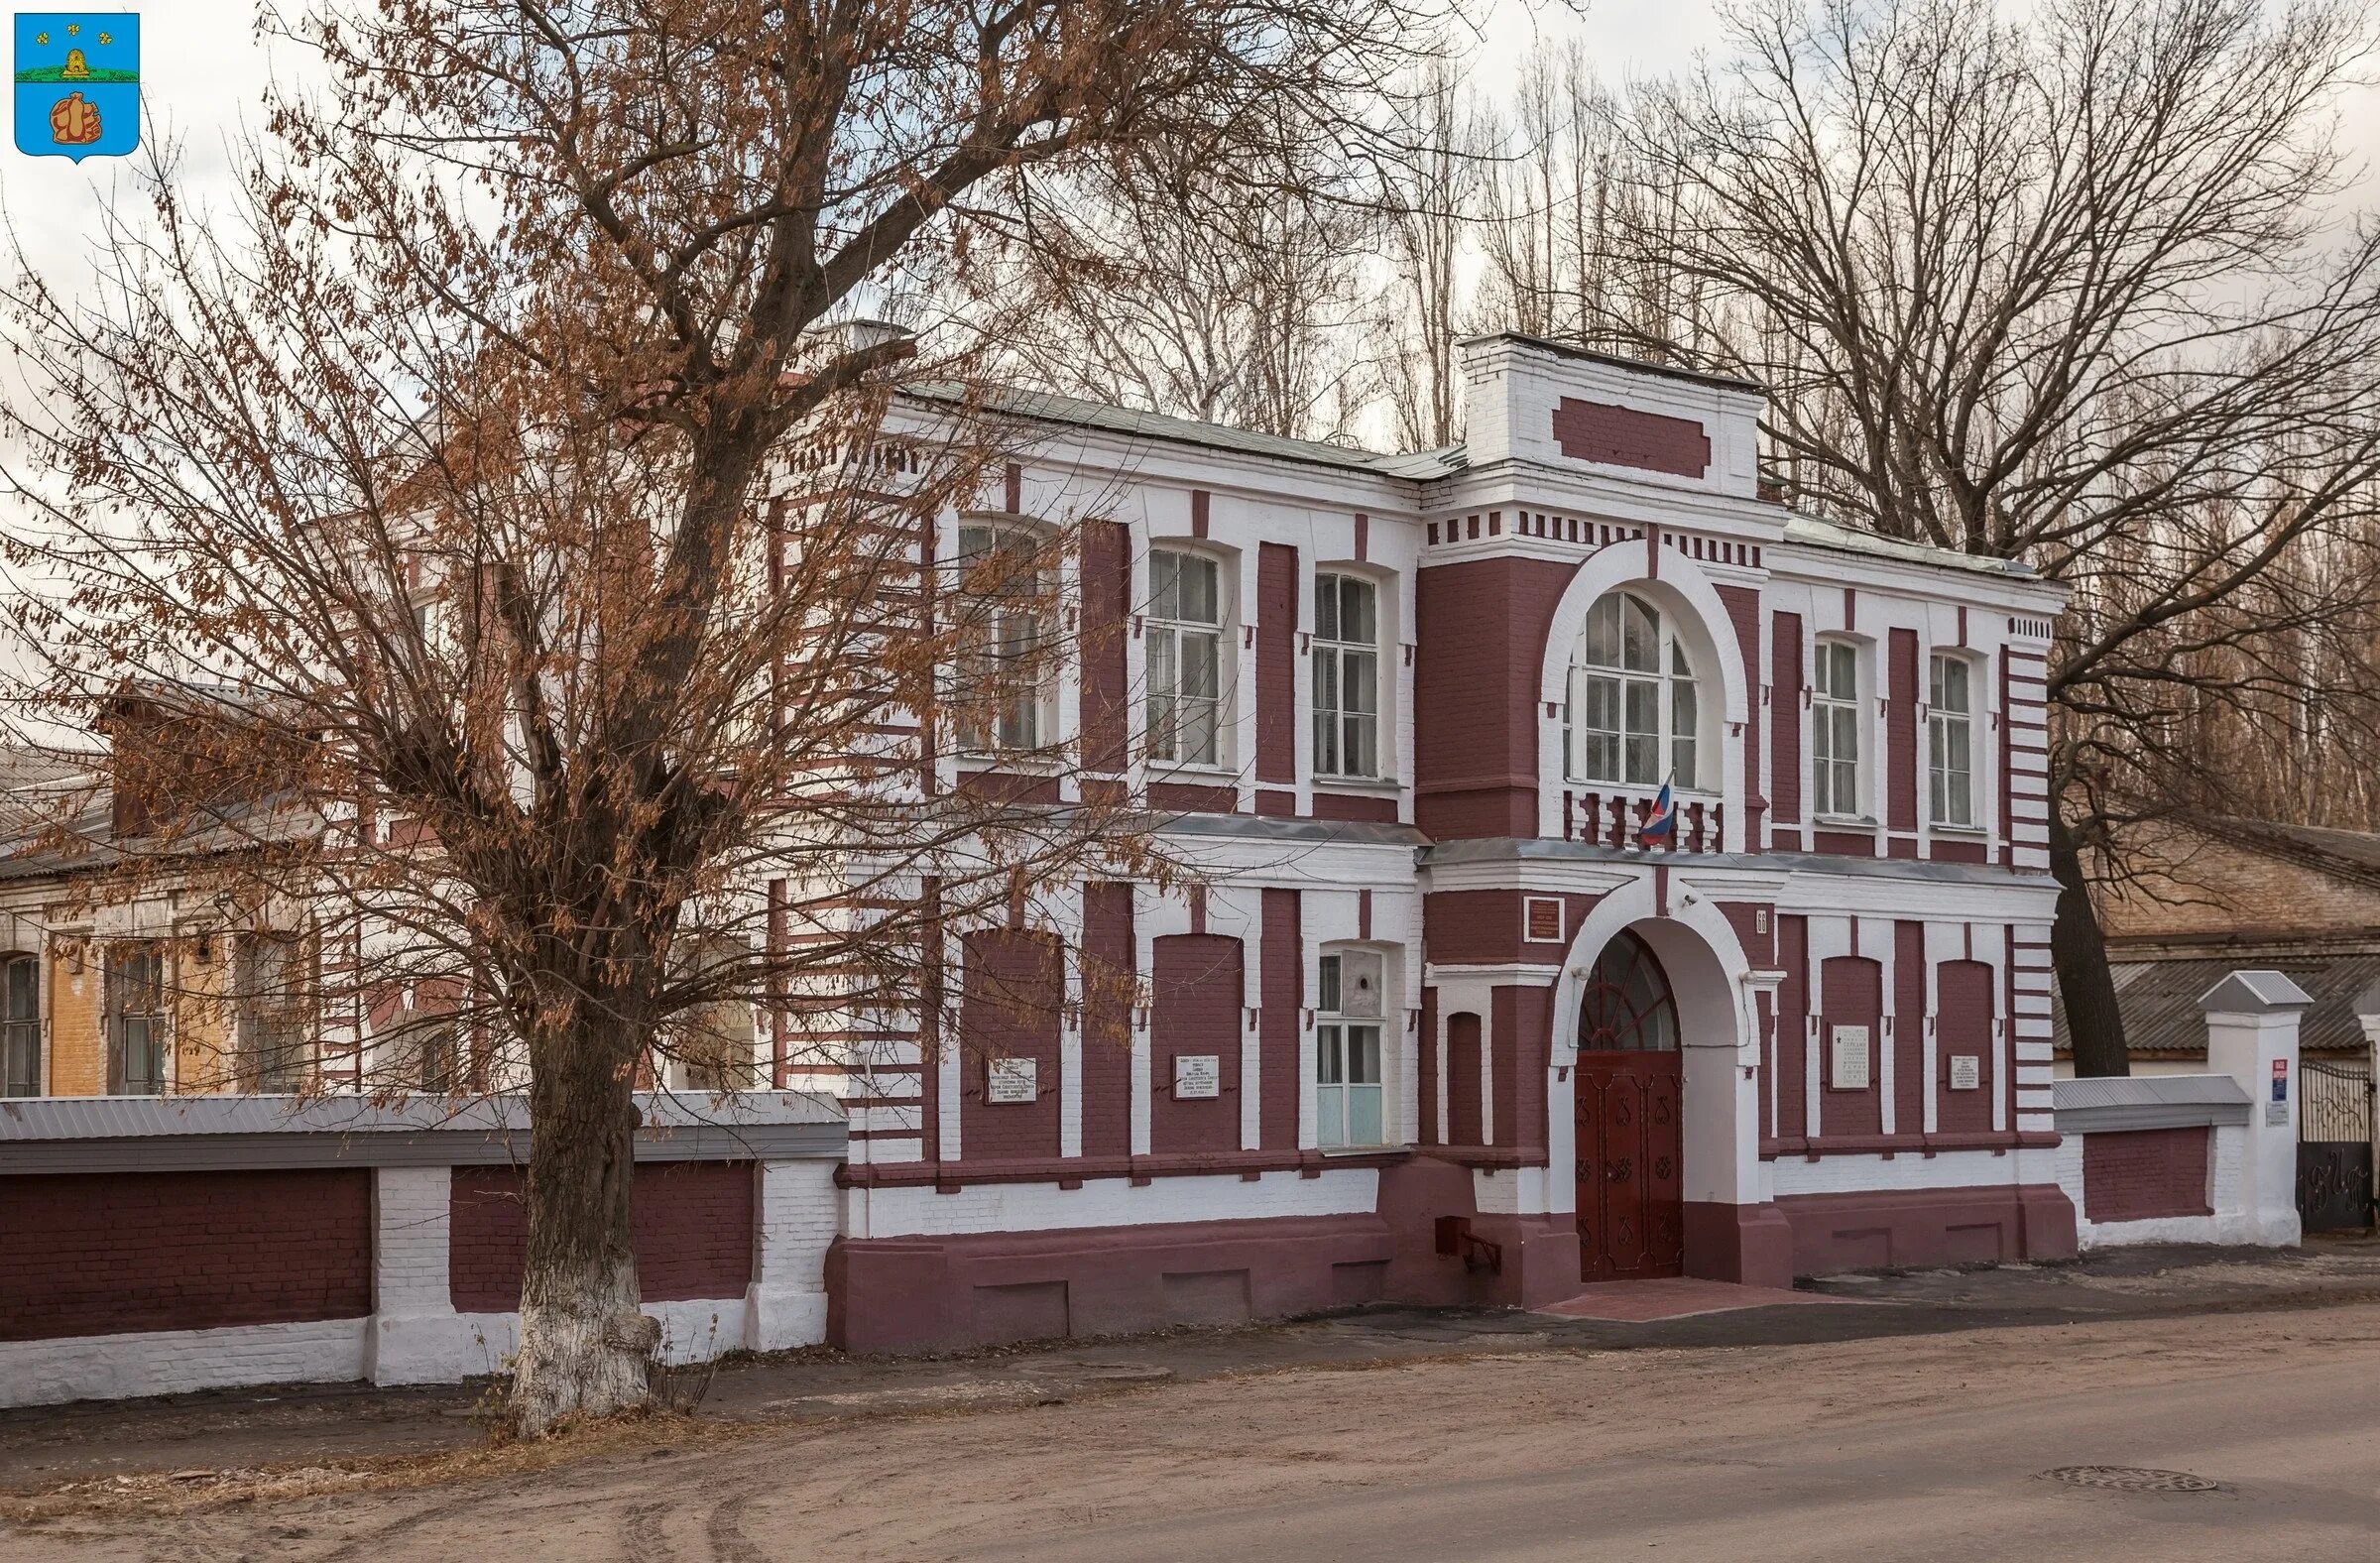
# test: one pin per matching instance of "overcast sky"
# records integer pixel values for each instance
(204, 73)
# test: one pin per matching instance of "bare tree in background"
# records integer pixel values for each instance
(1433, 182)
(2069, 292)
(500, 452)
(1571, 219)
(1157, 279)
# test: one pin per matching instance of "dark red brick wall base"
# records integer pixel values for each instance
(693, 1221)
(1875, 1230)
(941, 1293)
(2143, 1173)
(113, 1254)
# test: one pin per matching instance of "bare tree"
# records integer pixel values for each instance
(1432, 184)
(500, 452)
(2069, 292)
(1571, 216)
(1159, 281)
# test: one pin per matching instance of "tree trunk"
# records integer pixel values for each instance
(2079, 950)
(586, 1348)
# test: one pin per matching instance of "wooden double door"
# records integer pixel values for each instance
(1630, 1165)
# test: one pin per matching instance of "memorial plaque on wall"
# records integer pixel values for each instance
(1541, 919)
(1967, 1072)
(1847, 1065)
(1197, 1075)
(1011, 1080)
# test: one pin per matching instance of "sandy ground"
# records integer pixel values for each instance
(1930, 1446)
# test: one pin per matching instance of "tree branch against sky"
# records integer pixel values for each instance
(526, 317)
(2072, 291)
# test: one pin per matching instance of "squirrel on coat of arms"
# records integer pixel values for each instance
(73, 121)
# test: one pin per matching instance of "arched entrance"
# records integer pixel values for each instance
(1630, 1148)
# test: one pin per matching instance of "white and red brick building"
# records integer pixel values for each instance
(1443, 1025)
(1443, 1022)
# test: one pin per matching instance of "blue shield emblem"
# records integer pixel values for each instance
(78, 83)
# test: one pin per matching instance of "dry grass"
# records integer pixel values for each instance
(197, 1491)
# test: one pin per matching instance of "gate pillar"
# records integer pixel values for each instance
(2252, 1036)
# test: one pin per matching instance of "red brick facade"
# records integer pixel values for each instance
(1622, 436)
(2145, 1173)
(1195, 1007)
(693, 1224)
(1014, 988)
(118, 1252)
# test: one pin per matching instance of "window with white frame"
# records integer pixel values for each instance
(1006, 594)
(1346, 677)
(1951, 740)
(1635, 708)
(1185, 658)
(1350, 1099)
(1835, 714)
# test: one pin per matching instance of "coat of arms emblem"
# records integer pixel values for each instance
(78, 82)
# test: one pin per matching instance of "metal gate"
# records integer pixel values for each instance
(2334, 1145)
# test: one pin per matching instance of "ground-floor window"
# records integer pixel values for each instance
(1348, 1108)
(21, 1027)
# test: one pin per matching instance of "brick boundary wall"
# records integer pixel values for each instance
(2144, 1175)
(121, 1253)
(694, 1223)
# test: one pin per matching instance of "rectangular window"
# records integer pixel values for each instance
(1008, 663)
(1185, 658)
(20, 1027)
(1346, 677)
(136, 1019)
(1685, 717)
(1950, 742)
(1347, 1107)
(274, 1036)
(1834, 720)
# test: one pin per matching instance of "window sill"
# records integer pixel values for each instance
(1039, 761)
(1203, 774)
(1385, 1148)
(1842, 823)
(1973, 832)
(1369, 786)
(1644, 790)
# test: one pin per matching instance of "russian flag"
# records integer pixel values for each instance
(1662, 822)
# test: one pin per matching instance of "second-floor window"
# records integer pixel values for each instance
(1635, 709)
(1346, 677)
(1951, 741)
(275, 1018)
(136, 1019)
(1834, 706)
(1185, 658)
(1007, 671)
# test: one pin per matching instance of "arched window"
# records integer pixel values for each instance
(1635, 712)
(1626, 1004)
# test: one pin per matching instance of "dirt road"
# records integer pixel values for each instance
(1927, 1447)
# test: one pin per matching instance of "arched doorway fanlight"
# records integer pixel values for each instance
(1634, 712)
(1626, 1004)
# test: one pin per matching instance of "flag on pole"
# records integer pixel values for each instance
(1662, 822)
